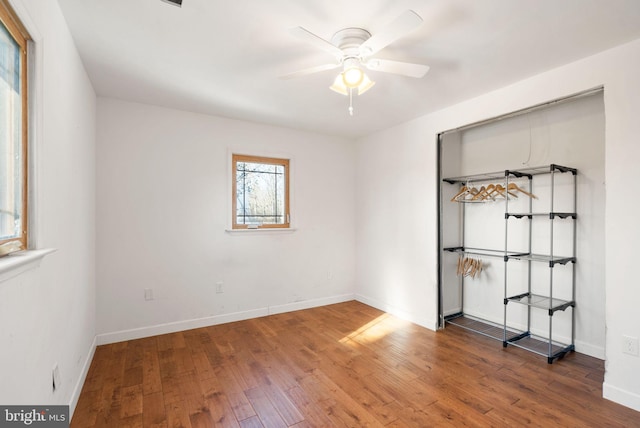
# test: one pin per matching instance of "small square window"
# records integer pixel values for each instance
(260, 192)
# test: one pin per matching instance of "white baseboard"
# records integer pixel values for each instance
(590, 350)
(620, 396)
(397, 312)
(75, 396)
(308, 304)
(173, 327)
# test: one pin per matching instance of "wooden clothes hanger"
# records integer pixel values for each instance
(473, 192)
(503, 191)
(481, 195)
(468, 193)
(468, 266)
(514, 186)
(463, 190)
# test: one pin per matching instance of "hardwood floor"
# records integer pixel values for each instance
(340, 365)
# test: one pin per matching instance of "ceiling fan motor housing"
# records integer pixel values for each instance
(349, 41)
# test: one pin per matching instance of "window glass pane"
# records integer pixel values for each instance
(260, 193)
(10, 137)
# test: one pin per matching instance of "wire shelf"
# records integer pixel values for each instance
(500, 175)
(542, 302)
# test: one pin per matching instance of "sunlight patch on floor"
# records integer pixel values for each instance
(374, 330)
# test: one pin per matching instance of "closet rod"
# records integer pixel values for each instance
(526, 110)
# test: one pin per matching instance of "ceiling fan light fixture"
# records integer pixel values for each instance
(339, 86)
(365, 85)
(353, 77)
(354, 47)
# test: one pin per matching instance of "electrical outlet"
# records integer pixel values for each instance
(219, 287)
(630, 345)
(55, 377)
(148, 294)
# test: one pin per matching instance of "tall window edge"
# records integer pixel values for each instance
(32, 147)
(12, 22)
(30, 257)
(35, 51)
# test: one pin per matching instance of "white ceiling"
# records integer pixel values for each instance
(223, 57)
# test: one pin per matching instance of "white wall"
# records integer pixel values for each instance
(47, 315)
(397, 179)
(396, 232)
(164, 204)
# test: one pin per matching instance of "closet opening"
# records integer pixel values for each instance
(521, 227)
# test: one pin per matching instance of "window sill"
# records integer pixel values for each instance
(274, 230)
(16, 263)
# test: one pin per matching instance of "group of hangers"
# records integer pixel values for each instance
(489, 193)
(468, 266)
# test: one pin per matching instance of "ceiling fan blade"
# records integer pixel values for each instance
(397, 67)
(402, 25)
(310, 70)
(317, 41)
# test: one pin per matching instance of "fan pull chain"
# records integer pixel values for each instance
(350, 101)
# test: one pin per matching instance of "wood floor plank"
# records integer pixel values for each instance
(171, 341)
(88, 409)
(151, 378)
(131, 401)
(201, 418)
(252, 422)
(339, 365)
(284, 374)
(234, 390)
(133, 376)
(285, 407)
(177, 415)
(171, 389)
(314, 413)
(365, 394)
(265, 410)
(240, 406)
(154, 413)
(346, 407)
(217, 403)
(202, 365)
(98, 369)
(131, 422)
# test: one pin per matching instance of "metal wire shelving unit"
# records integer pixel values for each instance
(507, 333)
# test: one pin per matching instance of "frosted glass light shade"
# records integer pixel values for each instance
(365, 85)
(352, 77)
(339, 86)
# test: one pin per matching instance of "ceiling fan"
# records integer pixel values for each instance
(354, 48)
